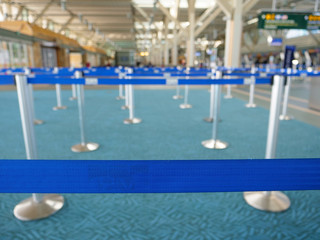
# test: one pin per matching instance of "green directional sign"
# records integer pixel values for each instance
(288, 20)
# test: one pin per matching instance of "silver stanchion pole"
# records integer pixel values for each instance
(177, 96)
(126, 97)
(228, 95)
(35, 120)
(58, 93)
(30, 88)
(210, 118)
(272, 201)
(59, 101)
(284, 115)
(215, 143)
(131, 119)
(186, 105)
(74, 92)
(120, 97)
(83, 146)
(39, 205)
(251, 103)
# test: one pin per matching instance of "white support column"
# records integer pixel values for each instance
(237, 32)
(190, 45)
(166, 44)
(174, 50)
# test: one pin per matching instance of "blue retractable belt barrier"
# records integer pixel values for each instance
(175, 176)
(6, 80)
(137, 81)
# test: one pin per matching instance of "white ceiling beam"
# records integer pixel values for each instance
(167, 13)
(208, 21)
(19, 12)
(64, 26)
(145, 15)
(225, 6)
(205, 14)
(43, 11)
(248, 5)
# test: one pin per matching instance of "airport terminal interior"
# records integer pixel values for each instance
(138, 84)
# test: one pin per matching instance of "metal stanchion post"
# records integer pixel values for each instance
(177, 96)
(120, 97)
(30, 88)
(186, 105)
(74, 92)
(284, 115)
(228, 95)
(59, 101)
(58, 93)
(273, 201)
(251, 103)
(83, 146)
(39, 205)
(131, 119)
(126, 97)
(35, 121)
(210, 118)
(215, 143)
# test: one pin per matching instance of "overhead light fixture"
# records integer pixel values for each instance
(252, 21)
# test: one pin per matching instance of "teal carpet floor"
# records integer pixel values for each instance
(166, 132)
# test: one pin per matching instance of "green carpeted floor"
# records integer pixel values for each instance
(166, 132)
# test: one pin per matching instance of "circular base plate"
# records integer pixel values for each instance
(185, 106)
(37, 122)
(214, 144)
(59, 108)
(208, 119)
(285, 117)
(28, 209)
(132, 121)
(124, 107)
(88, 147)
(228, 96)
(249, 105)
(72, 98)
(120, 97)
(267, 201)
(175, 97)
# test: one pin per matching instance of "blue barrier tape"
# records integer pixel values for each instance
(6, 80)
(138, 81)
(154, 176)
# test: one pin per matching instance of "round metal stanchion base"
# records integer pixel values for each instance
(132, 121)
(228, 97)
(120, 97)
(88, 147)
(59, 108)
(175, 97)
(37, 122)
(214, 144)
(285, 117)
(185, 106)
(124, 107)
(249, 105)
(273, 201)
(208, 119)
(72, 98)
(29, 209)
